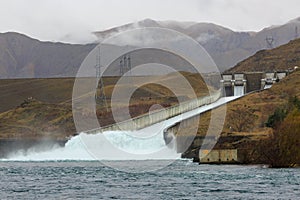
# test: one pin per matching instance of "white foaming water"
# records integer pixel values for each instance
(121, 145)
(267, 86)
(238, 90)
(117, 145)
(74, 150)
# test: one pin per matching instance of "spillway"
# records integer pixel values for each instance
(145, 144)
(239, 90)
(267, 86)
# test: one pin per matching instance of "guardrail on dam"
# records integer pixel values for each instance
(159, 115)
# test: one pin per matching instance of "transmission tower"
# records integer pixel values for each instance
(121, 67)
(129, 62)
(100, 95)
(125, 64)
(270, 42)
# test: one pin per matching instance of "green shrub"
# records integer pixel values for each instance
(277, 117)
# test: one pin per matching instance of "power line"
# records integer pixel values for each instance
(125, 64)
(100, 96)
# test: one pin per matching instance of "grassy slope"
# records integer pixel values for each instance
(33, 119)
(260, 106)
(14, 91)
(263, 103)
(50, 111)
(281, 58)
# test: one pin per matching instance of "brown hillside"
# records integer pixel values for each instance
(281, 58)
(14, 91)
(245, 124)
(33, 108)
(254, 109)
(263, 104)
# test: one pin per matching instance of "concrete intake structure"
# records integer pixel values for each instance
(238, 84)
(233, 84)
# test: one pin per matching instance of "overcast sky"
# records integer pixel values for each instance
(74, 20)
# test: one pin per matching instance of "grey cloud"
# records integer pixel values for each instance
(73, 21)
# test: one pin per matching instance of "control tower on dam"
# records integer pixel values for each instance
(234, 84)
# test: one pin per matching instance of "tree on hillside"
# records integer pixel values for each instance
(283, 149)
(277, 117)
(280, 113)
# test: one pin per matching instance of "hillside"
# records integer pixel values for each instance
(247, 118)
(281, 58)
(44, 107)
(262, 104)
(13, 92)
(245, 123)
(24, 57)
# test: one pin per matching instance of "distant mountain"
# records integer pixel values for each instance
(24, 57)
(225, 46)
(281, 58)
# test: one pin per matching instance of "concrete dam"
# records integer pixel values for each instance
(123, 135)
(165, 122)
(236, 84)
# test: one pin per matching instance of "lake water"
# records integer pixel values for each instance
(74, 172)
(180, 180)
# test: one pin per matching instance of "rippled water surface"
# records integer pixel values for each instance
(180, 180)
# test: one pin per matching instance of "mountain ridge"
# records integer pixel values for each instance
(226, 47)
(25, 57)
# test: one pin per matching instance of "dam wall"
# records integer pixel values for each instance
(159, 115)
(254, 82)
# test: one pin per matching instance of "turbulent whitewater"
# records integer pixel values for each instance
(267, 86)
(115, 145)
(145, 144)
(239, 90)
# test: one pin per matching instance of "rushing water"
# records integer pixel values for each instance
(238, 90)
(180, 180)
(117, 145)
(267, 86)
